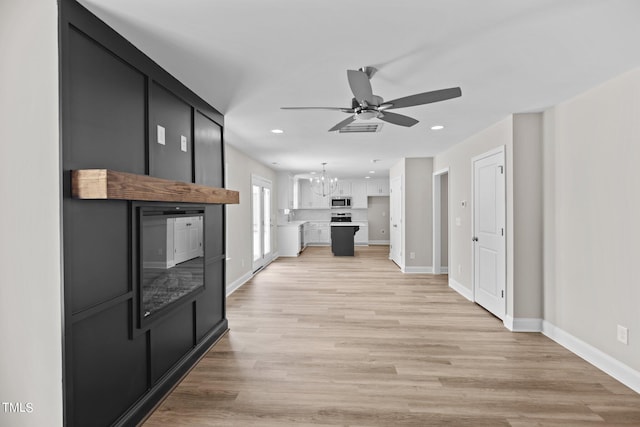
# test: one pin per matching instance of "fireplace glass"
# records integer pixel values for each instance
(171, 256)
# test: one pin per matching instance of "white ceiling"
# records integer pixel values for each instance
(248, 58)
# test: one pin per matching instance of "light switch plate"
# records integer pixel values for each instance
(623, 335)
(183, 143)
(161, 135)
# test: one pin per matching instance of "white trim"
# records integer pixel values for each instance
(417, 270)
(235, 285)
(522, 324)
(437, 221)
(462, 290)
(498, 150)
(379, 242)
(613, 367)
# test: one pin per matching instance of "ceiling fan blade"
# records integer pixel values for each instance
(342, 123)
(422, 98)
(344, 110)
(397, 119)
(360, 86)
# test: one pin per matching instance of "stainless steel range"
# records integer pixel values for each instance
(341, 217)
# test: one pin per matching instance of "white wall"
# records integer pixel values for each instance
(378, 218)
(527, 216)
(591, 212)
(239, 168)
(458, 160)
(417, 212)
(30, 255)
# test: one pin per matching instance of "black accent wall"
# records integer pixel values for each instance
(113, 97)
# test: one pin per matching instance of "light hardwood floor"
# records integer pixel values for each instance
(326, 341)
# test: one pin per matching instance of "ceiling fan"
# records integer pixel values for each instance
(365, 105)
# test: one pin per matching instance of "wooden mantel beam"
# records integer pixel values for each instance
(106, 184)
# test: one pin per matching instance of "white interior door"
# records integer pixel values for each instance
(395, 219)
(489, 263)
(261, 221)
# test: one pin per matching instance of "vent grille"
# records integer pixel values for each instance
(361, 128)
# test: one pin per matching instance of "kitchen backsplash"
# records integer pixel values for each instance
(320, 215)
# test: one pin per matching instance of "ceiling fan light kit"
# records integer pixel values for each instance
(366, 106)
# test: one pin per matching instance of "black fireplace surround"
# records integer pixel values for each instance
(130, 332)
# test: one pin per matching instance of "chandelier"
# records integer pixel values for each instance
(323, 185)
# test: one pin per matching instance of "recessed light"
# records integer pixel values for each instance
(437, 127)
(367, 177)
(372, 171)
(312, 173)
(277, 131)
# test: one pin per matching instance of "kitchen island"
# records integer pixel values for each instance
(342, 236)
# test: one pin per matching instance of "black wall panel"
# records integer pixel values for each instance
(112, 99)
(96, 251)
(109, 369)
(106, 110)
(214, 231)
(208, 151)
(210, 308)
(169, 161)
(170, 340)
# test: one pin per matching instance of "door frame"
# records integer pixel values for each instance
(399, 200)
(266, 257)
(498, 150)
(437, 220)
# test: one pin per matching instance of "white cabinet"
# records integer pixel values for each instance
(286, 191)
(317, 233)
(359, 194)
(311, 200)
(290, 239)
(378, 187)
(343, 188)
(362, 235)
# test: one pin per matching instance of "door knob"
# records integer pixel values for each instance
(475, 239)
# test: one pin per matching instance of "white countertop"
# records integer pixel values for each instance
(292, 224)
(348, 224)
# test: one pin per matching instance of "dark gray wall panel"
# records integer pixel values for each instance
(96, 252)
(109, 370)
(170, 340)
(214, 231)
(107, 110)
(174, 115)
(210, 305)
(207, 151)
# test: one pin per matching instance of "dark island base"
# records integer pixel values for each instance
(342, 239)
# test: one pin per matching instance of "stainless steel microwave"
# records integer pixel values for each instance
(340, 202)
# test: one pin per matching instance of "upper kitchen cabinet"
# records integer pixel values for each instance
(287, 189)
(378, 187)
(359, 194)
(343, 188)
(311, 200)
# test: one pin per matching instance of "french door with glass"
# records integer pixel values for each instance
(261, 221)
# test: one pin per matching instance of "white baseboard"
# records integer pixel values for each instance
(522, 324)
(379, 242)
(235, 285)
(417, 270)
(462, 290)
(613, 367)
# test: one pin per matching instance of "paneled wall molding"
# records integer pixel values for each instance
(106, 184)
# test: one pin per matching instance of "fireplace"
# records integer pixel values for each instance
(170, 256)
